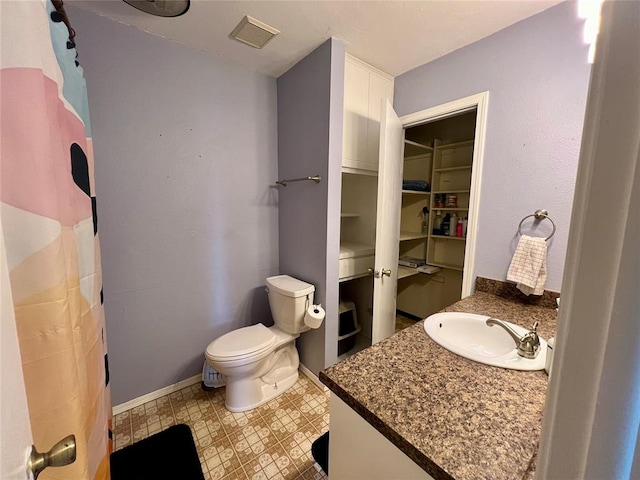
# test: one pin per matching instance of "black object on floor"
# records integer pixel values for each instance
(320, 451)
(170, 454)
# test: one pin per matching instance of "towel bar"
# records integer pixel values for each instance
(315, 178)
(539, 215)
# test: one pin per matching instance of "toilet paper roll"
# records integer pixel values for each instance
(314, 316)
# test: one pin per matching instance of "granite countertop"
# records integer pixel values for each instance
(455, 418)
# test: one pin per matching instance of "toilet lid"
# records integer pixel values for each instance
(242, 341)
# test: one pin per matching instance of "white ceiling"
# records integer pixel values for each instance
(395, 36)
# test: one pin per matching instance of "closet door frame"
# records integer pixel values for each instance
(480, 102)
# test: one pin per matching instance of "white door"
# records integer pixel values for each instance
(15, 427)
(387, 223)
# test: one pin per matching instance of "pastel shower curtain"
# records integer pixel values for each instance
(49, 225)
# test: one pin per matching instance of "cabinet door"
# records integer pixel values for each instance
(387, 223)
(356, 111)
(379, 88)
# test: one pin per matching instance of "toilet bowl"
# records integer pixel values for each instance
(259, 362)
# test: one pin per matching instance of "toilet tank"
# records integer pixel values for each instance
(289, 299)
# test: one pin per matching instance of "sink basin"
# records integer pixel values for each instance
(467, 335)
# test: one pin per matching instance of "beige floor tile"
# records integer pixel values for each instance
(219, 459)
(298, 449)
(279, 402)
(284, 421)
(312, 473)
(272, 463)
(252, 440)
(232, 421)
(237, 474)
(315, 406)
(270, 442)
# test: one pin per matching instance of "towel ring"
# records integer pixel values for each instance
(540, 215)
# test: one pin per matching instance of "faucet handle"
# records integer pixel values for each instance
(529, 344)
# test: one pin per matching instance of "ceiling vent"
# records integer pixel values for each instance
(253, 32)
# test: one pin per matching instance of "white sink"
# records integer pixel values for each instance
(467, 335)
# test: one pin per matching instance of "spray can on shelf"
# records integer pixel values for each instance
(446, 225)
(453, 225)
(425, 219)
(459, 228)
(437, 223)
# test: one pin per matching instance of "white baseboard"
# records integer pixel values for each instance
(136, 402)
(312, 376)
(123, 407)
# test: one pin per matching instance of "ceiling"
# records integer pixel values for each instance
(395, 36)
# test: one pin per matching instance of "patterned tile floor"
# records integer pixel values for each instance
(269, 442)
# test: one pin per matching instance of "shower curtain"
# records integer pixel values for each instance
(49, 228)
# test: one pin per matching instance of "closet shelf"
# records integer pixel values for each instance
(404, 272)
(451, 209)
(466, 143)
(452, 169)
(412, 236)
(444, 237)
(353, 249)
(349, 215)
(412, 148)
(415, 192)
(450, 266)
(452, 191)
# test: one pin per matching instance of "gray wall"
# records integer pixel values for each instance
(537, 74)
(310, 102)
(185, 148)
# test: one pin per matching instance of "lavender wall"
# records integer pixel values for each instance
(537, 74)
(185, 147)
(310, 102)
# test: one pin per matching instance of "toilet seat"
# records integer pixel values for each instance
(254, 341)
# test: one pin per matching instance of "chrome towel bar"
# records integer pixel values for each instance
(539, 215)
(315, 178)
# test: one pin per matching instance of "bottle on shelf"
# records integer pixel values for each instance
(446, 224)
(459, 228)
(453, 224)
(464, 226)
(425, 220)
(437, 223)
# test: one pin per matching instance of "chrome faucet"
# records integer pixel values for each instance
(528, 345)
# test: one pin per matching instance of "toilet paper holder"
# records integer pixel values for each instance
(314, 316)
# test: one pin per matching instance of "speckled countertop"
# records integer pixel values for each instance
(455, 418)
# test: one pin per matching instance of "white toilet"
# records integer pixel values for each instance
(260, 363)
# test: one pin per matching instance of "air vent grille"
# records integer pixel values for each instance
(253, 32)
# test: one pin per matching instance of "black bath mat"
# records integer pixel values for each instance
(170, 454)
(320, 451)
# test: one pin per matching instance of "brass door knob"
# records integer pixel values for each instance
(386, 272)
(61, 454)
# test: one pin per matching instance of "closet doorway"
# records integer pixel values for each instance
(441, 190)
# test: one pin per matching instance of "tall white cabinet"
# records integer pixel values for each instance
(369, 224)
(381, 222)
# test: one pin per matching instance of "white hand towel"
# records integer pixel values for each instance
(529, 265)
